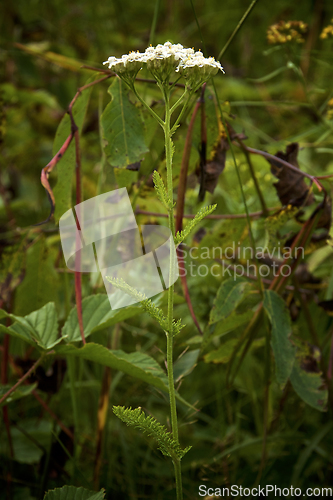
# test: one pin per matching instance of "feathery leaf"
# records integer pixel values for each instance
(153, 311)
(149, 426)
(180, 236)
(161, 191)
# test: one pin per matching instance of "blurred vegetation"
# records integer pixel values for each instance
(275, 95)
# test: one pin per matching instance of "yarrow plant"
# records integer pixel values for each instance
(327, 31)
(165, 62)
(287, 32)
(162, 60)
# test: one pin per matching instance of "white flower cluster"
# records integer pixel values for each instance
(163, 59)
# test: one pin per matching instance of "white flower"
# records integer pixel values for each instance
(162, 60)
(129, 64)
(197, 69)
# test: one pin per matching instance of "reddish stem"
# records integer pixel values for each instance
(53, 415)
(49, 167)
(184, 169)
(21, 380)
(181, 204)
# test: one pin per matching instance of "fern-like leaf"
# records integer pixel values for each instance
(149, 426)
(180, 236)
(161, 191)
(153, 311)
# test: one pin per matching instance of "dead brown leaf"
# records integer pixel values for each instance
(291, 187)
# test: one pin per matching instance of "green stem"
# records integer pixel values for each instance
(178, 475)
(72, 378)
(152, 112)
(153, 26)
(234, 33)
(172, 395)
(178, 102)
(181, 113)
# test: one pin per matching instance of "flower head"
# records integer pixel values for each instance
(327, 31)
(286, 31)
(162, 60)
(196, 69)
(128, 65)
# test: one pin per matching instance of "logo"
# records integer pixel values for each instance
(101, 235)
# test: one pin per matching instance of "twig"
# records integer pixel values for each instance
(217, 217)
(203, 149)
(286, 164)
(21, 380)
(181, 204)
(45, 176)
(53, 415)
(184, 166)
(253, 175)
(50, 166)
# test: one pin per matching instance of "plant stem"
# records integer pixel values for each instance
(239, 25)
(254, 178)
(22, 379)
(178, 475)
(172, 396)
(148, 108)
(180, 116)
(72, 377)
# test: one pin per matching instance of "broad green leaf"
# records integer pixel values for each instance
(66, 166)
(123, 128)
(41, 283)
(224, 352)
(39, 327)
(231, 322)
(19, 393)
(30, 442)
(283, 349)
(306, 377)
(185, 364)
(96, 314)
(22, 333)
(38, 49)
(125, 177)
(135, 364)
(73, 493)
(230, 294)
